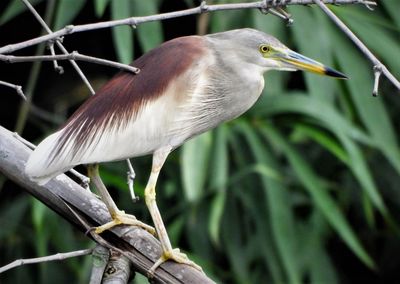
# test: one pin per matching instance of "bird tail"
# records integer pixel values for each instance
(40, 167)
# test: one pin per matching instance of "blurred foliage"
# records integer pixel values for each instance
(301, 189)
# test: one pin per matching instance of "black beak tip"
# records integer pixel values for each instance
(333, 73)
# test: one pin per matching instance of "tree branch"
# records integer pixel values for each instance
(100, 256)
(17, 88)
(59, 44)
(140, 246)
(134, 21)
(58, 256)
(378, 66)
(59, 69)
(69, 56)
(118, 270)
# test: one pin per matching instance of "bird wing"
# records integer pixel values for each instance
(114, 108)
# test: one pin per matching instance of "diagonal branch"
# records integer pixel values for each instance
(377, 64)
(69, 56)
(100, 256)
(58, 256)
(118, 270)
(134, 21)
(17, 88)
(59, 44)
(141, 247)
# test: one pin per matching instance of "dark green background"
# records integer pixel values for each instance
(304, 188)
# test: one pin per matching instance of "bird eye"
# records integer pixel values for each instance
(265, 48)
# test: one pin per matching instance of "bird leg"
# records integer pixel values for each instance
(168, 253)
(119, 217)
(130, 179)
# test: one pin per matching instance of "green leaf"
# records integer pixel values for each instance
(15, 8)
(175, 229)
(217, 210)
(316, 258)
(341, 128)
(38, 214)
(320, 196)
(269, 254)
(219, 163)
(195, 155)
(140, 279)
(325, 140)
(122, 35)
(235, 19)
(323, 112)
(392, 7)
(364, 16)
(100, 6)
(365, 28)
(12, 215)
(322, 269)
(359, 167)
(277, 201)
(304, 32)
(66, 12)
(150, 34)
(233, 241)
(371, 110)
(113, 179)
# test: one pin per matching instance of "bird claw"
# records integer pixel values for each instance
(174, 255)
(121, 218)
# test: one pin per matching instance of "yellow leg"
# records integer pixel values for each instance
(168, 253)
(118, 217)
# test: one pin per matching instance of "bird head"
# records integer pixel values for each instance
(258, 48)
(282, 58)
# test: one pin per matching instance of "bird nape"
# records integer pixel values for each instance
(185, 87)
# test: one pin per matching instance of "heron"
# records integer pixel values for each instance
(185, 87)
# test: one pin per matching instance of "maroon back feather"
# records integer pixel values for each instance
(119, 100)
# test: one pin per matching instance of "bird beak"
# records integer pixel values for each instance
(297, 61)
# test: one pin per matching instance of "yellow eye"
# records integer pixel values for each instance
(265, 48)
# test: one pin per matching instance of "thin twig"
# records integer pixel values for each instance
(203, 20)
(279, 12)
(59, 44)
(33, 74)
(17, 88)
(85, 181)
(58, 256)
(59, 69)
(70, 56)
(377, 74)
(70, 29)
(375, 61)
(24, 141)
(130, 180)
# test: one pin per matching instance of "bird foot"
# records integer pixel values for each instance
(175, 255)
(121, 218)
